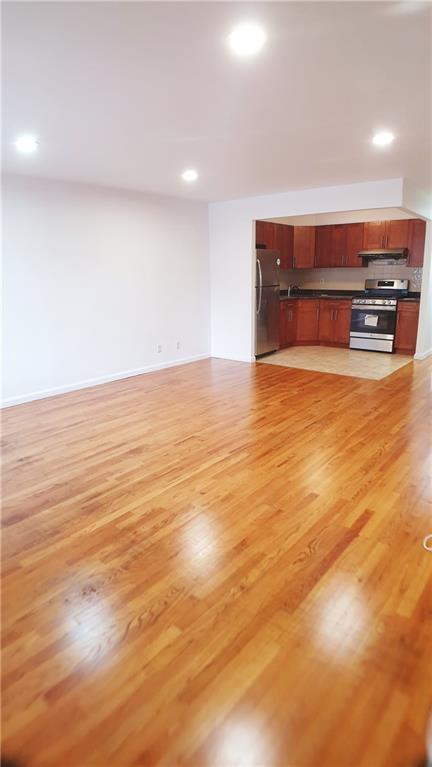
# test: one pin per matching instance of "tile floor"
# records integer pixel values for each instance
(343, 362)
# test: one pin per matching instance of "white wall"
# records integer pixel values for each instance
(424, 338)
(232, 243)
(94, 280)
(344, 217)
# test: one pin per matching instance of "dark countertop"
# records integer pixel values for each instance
(347, 294)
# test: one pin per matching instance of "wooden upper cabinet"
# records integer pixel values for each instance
(386, 234)
(323, 243)
(286, 238)
(396, 233)
(406, 326)
(374, 234)
(265, 234)
(416, 241)
(304, 247)
(276, 237)
(339, 244)
(354, 243)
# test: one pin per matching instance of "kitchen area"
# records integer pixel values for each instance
(354, 284)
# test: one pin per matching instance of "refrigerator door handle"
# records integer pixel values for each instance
(258, 309)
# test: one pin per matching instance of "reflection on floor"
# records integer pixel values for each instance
(343, 362)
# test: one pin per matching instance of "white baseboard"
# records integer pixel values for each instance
(97, 381)
(233, 357)
(423, 355)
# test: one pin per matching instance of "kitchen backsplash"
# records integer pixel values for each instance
(349, 279)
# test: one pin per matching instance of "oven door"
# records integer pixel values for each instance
(373, 321)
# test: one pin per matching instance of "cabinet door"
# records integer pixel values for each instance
(416, 241)
(354, 243)
(307, 319)
(323, 241)
(291, 322)
(374, 235)
(325, 325)
(406, 327)
(339, 244)
(265, 234)
(286, 238)
(304, 247)
(342, 323)
(396, 234)
(283, 313)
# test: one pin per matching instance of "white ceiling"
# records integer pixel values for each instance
(129, 94)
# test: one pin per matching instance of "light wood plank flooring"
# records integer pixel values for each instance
(219, 564)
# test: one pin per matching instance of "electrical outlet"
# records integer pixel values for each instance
(159, 348)
(178, 344)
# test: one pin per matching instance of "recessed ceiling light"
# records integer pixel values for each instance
(26, 144)
(190, 175)
(247, 39)
(383, 138)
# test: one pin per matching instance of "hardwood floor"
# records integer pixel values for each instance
(219, 564)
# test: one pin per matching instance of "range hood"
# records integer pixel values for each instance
(384, 254)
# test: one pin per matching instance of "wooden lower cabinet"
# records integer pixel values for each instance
(406, 327)
(307, 320)
(328, 321)
(288, 323)
(334, 322)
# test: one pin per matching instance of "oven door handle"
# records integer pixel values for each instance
(370, 308)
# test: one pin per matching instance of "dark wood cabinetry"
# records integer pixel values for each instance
(374, 233)
(416, 241)
(288, 323)
(276, 237)
(304, 247)
(286, 237)
(400, 233)
(406, 327)
(307, 320)
(265, 235)
(338, 245)
(386, 234)
(354, 243)
(334, 321)
(327, 321)
(396, 233)
(323, 246)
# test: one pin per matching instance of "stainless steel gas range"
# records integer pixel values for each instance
(373, 316)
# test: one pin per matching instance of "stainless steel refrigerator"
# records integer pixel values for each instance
(267, 298)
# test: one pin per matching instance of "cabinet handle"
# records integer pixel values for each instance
(294, 262)
(317, 314)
